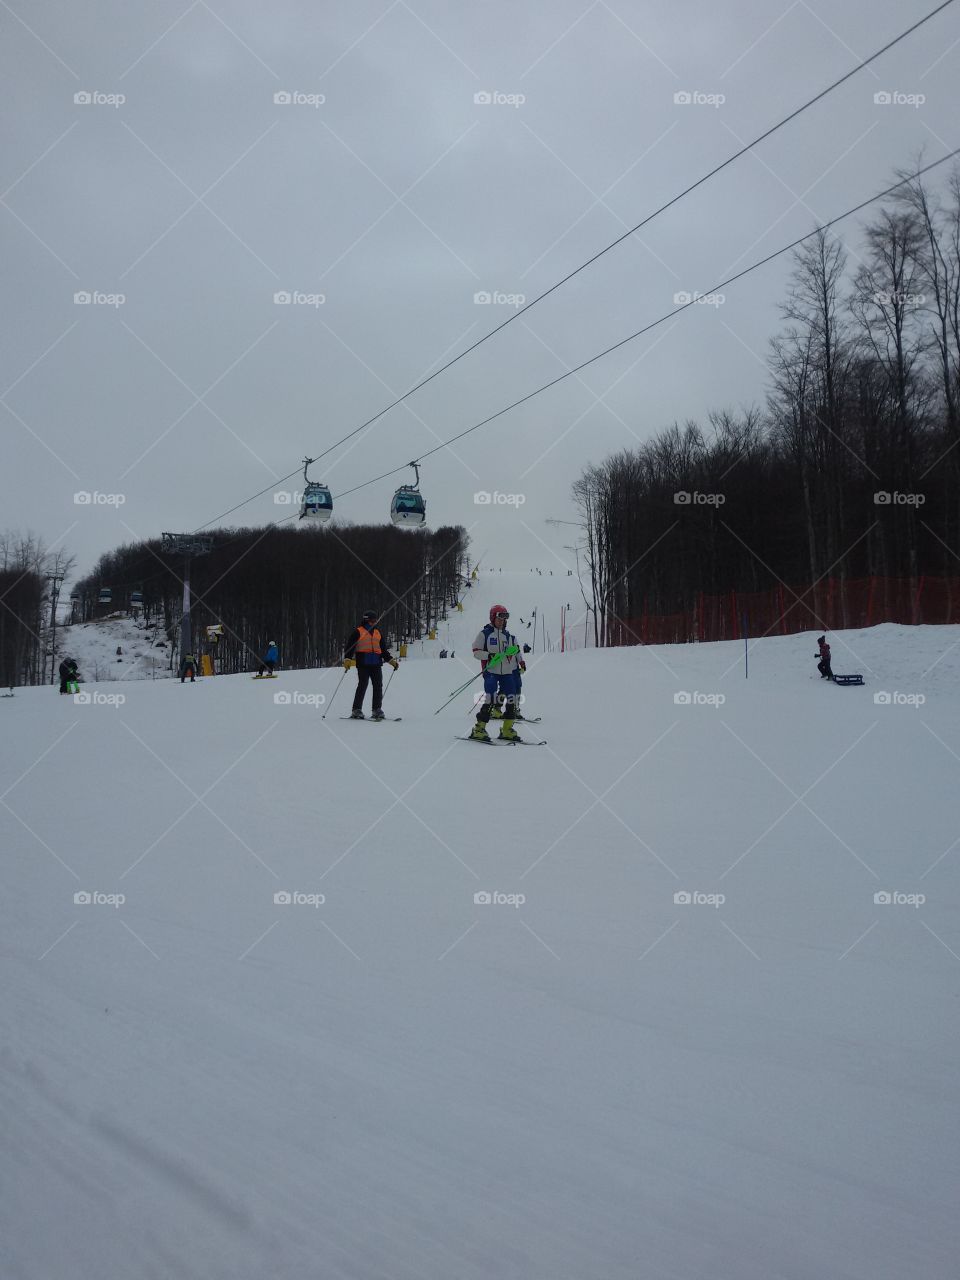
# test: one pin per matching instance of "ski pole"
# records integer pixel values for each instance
(334, 694)
(390, 681)
(456, 693)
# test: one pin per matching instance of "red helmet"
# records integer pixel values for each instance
(498, 608)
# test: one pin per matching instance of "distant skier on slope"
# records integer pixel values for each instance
(366, 650)
(270, 659)
(823, 666)
(188, 667)
(492, 648)
(69, 676)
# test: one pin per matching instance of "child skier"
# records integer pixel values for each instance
(823, 666)
(367, 651)
(270, 659)
(500, 668)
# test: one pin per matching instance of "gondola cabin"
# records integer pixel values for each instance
(408, 507)
(317, 504)
(105, 596)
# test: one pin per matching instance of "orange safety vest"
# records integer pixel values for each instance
(369, 641)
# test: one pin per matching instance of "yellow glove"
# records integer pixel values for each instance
(394, 663)
(348, 663)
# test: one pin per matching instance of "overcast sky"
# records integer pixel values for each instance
(386, 188)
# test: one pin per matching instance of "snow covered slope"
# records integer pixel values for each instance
(144, 655)
(587, 1075)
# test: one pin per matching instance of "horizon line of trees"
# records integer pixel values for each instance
(304, 588)
(852, 468)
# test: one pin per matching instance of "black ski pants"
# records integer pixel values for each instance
(369, 675)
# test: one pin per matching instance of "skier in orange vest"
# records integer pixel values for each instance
(367, 651)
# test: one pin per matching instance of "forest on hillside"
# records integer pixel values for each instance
(850, 474)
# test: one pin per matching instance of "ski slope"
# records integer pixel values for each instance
(581, 1078)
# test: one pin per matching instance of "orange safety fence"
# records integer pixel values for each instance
(831, 605)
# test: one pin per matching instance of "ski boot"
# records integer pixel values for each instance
(377, 715)
(479, 732)
(507, 732)
(357, 715)
(496, 713)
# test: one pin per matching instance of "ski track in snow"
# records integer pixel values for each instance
(402, 1083)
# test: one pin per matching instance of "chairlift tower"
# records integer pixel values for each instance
(186, 545)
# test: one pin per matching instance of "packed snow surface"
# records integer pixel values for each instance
(677, 1035)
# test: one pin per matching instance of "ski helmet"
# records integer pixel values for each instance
(370, 615)
(498, 608)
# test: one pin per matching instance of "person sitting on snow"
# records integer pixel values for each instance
(270, 659)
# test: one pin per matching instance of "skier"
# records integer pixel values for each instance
(270, 659)
(69, 676)
(367, 651)
(499, 674)
(188, 667)
(823, 666)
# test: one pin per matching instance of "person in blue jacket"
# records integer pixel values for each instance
(270, 659)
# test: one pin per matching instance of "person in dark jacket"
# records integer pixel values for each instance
(188, 667)
(68, 675)
(823, 666)
(366, 650)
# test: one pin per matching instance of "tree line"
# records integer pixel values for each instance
(31, 578)
(305, 589)
(851, 469)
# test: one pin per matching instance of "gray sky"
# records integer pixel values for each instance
(398, 198)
